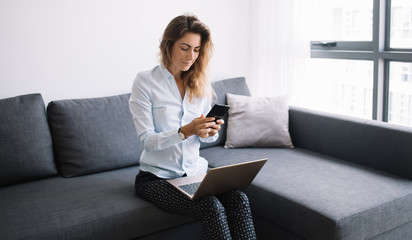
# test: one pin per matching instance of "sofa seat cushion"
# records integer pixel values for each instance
(97, 206)
(26, 151)
(320, 197)
(93, 135)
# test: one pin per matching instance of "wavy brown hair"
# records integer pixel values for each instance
(194, 79)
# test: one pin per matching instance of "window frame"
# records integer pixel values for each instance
(378, 50)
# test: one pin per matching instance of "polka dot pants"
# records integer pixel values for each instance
(226, 216)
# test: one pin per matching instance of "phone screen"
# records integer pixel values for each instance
(218, 111)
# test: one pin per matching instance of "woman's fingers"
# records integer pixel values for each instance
(206, 126)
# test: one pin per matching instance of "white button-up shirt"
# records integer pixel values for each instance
(158, 112)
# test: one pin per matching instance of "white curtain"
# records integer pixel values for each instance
(280, 47)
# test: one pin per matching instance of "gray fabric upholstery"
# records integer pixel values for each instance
(321, 197)
(93, 135)
(370, 143)
(96, 206)
(232, 85)
(266, 230)
(26, 151)
(191, 230)
(402, 232)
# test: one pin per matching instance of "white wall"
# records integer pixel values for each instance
(92, 48)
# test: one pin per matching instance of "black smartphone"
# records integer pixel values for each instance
(218, 111)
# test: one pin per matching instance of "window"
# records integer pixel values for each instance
(339, 86)
(400, 93)
(401, 24)
(343, 20)
(366, 46)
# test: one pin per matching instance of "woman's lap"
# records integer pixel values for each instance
(217, 213)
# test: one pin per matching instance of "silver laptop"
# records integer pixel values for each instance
(219, 180)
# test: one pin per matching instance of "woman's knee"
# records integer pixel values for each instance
(211, 205)
(236, 196)
(240, 195)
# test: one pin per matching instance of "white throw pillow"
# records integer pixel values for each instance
(257, 122)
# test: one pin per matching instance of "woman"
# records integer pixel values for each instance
(169, 104)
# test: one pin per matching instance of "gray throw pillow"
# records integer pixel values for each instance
(26, 151)
(93, 135)
(231, 85)
(257, 122)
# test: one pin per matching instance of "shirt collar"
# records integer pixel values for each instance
(166, 74)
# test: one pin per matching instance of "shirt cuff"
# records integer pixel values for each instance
(176, 137)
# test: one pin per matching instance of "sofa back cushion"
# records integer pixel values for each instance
(236, 86)
(93, 135)
(26, 151)
(370, 143)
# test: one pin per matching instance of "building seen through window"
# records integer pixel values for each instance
(350, 79)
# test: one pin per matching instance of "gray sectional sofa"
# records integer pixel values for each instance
(67, 172)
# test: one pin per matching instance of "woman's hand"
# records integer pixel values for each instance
(216, 127)
(202, 127)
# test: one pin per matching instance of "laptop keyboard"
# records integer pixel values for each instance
(190, 188)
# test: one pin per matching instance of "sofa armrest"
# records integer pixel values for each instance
(370, 143)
